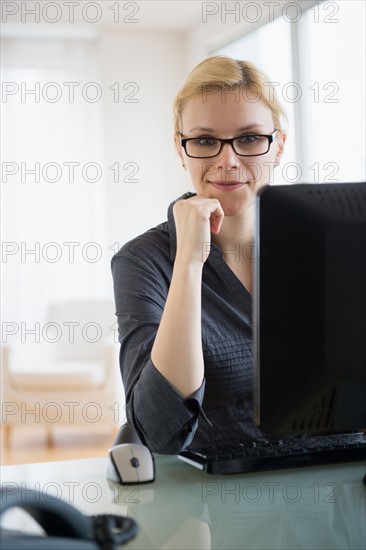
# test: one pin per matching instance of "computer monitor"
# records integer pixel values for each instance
(309, 317)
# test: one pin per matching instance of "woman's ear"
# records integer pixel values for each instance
(281, 140)
(179, 150)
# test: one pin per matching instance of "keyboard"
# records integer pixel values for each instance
(291, 452)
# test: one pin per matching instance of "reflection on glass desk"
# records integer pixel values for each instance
(320, 507)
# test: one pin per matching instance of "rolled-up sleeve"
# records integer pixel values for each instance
(164, 420)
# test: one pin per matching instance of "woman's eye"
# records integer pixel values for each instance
(205, 141)
(249, 139)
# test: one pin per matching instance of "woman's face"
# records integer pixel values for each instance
(228, 177)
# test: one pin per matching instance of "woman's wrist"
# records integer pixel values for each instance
(188, 266)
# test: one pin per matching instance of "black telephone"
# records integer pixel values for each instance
(66, 527)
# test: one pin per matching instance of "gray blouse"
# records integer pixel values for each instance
(221, 409)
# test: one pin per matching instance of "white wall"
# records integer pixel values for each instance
(222, 23)
(141, 132)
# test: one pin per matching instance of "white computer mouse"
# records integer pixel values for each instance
(130, 463)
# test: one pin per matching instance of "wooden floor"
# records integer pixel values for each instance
(30, 444)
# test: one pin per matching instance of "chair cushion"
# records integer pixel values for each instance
(61, 376)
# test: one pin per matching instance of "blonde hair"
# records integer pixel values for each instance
(221, 72)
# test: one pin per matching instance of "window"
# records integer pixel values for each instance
(318, 67)
(52, 226)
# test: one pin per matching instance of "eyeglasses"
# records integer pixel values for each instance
(251, 145)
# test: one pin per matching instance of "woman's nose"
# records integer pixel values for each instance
(227, 157)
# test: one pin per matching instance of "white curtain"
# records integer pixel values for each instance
(60, 217)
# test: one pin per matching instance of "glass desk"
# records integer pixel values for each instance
(312, 508)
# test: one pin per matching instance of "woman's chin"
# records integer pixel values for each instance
(236, 206)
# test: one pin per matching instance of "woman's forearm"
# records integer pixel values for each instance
(177, 350)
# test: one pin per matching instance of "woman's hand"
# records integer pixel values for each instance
(195, 219)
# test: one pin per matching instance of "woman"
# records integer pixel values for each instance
(183, 289)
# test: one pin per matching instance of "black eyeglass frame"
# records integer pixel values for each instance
(270, 138)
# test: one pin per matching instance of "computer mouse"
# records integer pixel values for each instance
(130, 463)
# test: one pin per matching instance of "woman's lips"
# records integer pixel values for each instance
(227, 186)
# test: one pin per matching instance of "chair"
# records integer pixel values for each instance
(77, 386)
